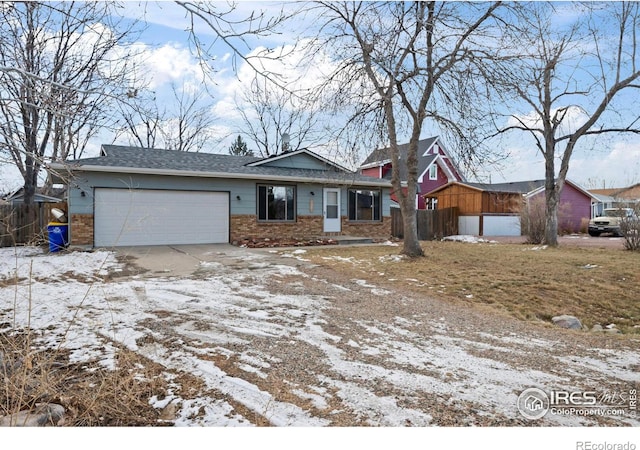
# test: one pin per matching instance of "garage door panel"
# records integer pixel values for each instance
(501, 226)
(157, 217)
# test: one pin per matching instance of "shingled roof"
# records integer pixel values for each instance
(517, 187)
(528, 188)
(124, 159)
(381, 155)
(384, 154)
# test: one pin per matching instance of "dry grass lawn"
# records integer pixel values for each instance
(599, 286)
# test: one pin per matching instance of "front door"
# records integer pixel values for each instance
(331, 210)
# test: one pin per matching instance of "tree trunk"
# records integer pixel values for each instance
(552, 196)
(30, 181)
(411, 245)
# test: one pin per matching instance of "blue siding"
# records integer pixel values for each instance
(299, 161)
(307, 204)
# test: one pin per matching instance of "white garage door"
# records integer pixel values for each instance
(126, 217)
(501, 226)
(469, 225)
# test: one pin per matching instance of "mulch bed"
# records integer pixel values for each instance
(270, 243)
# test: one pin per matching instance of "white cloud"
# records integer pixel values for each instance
(288, 66)
(618, 165)
(168, 64)
(607, 163)
(227, 110)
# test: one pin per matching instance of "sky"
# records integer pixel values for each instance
(169, 61)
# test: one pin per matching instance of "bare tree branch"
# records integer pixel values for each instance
(561, 67)
(183, 124)
(393, 61)
(61, 70)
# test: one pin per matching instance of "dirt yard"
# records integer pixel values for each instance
(296, 337)
(572, 240)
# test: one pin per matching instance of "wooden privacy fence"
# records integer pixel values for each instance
(432, 224)
(25, 224)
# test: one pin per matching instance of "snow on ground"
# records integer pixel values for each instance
(380, 373)
(468, 239)
(536, 248)
(33, 262)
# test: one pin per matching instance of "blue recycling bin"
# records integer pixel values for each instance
(58, 236)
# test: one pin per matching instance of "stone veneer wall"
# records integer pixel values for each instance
(305, 227)
(380, 230)
(248, 227)
(81, 229)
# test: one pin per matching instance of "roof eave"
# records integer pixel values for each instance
(581, 189)
(245, 176)
(273, 158)
(435, 141)
(375, 164)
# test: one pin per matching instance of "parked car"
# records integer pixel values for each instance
(609, 222)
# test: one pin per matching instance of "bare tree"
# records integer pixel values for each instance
(269, 112)
(397, 62)
(235, 31)
(190, 128)
(571, 80)
(140, 120)
(61, 69)
(183, 124)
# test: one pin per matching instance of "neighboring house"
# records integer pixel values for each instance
(602, 202)
(494, 209)
(630, 194)
(628, 197)
(17, 197)
(20, 226)
(435, 168)
(131, 196)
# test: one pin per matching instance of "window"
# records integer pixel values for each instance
(276, 203)
(364, 205)
(433, 172)
(432, 203)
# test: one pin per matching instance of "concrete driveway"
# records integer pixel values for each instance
(186, 260)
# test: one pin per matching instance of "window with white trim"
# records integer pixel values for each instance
(433, 172)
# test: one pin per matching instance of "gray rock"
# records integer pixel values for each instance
(169, 412)
(7, 366)
(43, 415)
(569, 322)
(597, 328)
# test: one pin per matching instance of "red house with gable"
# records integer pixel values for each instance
(435, 168)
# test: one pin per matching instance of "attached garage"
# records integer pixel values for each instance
(130, 196)
(129, 217)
